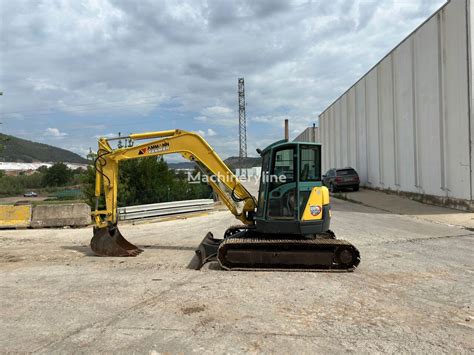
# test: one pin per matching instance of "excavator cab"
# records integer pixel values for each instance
(291, 197)
(291, 222)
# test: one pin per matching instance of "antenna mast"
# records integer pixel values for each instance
(242, 125)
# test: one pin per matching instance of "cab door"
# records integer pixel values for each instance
(262, 191)
(282, 185)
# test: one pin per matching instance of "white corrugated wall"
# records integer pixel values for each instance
(310, 134)
(406, 125)
(470, 19)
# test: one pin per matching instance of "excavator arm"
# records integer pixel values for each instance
(192, 147)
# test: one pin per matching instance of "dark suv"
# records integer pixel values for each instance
(336, 179)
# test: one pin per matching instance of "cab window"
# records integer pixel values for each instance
(284, 167)
(282, 189)
(263, 184)
(310, 163)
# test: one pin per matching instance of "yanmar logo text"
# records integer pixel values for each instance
(155, 148)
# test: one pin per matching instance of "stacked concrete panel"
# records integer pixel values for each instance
(71, 214)
(44, 216)
(407, 124)
(15, 216)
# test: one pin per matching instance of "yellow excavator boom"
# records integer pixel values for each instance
(192, 147)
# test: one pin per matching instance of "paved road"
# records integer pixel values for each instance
(412, 292)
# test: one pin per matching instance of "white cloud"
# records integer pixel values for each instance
(43, 85)
(13, 116)
(182, 62)
(297, 123)
(105, 135)
(218, 115)
(217, 111)
(209, 133)
(54, 132)
(81, 150)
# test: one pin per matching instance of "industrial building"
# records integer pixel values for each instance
(310, 134)
(15, 168)
(407, 124)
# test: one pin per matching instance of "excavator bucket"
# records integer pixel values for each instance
(207, 250)
(108, 241)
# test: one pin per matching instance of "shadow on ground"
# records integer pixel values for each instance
(84, 249)
(167, 247)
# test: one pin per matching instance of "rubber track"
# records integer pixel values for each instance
(315, 244)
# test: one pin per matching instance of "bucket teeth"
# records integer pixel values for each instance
(108, 241)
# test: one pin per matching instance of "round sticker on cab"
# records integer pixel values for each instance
(315, 210)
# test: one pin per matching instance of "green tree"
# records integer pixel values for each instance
(147, 180)
(88, 187)
(42, 169)
(143, 181)
(57, 175)
(16, 185)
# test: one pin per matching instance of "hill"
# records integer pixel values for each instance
(23, 151)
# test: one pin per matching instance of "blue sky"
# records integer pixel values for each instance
(74, 70)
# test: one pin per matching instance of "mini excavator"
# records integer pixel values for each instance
(287, 228)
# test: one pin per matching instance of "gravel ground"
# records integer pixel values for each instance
(412, 293)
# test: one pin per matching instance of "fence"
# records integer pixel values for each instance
(163, 209)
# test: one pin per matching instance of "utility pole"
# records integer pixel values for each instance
(242, 125)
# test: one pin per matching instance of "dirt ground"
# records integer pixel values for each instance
(412, 293)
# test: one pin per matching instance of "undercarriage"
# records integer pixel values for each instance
(243, 248)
